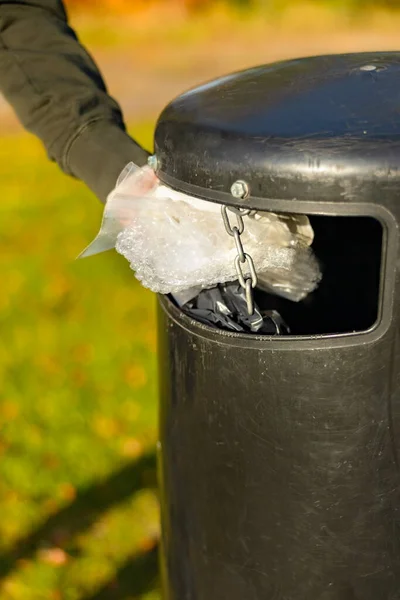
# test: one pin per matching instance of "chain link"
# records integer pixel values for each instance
(244, 264)
(240, 224)
(239, 245)
(249, 297)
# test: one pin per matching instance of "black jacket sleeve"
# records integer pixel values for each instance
(59, 95)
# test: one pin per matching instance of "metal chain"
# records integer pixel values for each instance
(244, 264)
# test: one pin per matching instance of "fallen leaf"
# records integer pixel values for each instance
(53, 556)
(135, 376)
(131, 448)
(67, 491)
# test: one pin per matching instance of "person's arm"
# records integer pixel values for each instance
(59, 95)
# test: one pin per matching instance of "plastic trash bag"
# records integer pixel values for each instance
(175, 242)
(225, 307)
(134, 184)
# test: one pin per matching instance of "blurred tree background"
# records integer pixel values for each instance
(138, 5)
(78, 404)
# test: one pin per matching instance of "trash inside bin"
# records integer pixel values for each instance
(317, 274)
(225, 307)
(177, 243)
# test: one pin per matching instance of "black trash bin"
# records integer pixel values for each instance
(279, 455)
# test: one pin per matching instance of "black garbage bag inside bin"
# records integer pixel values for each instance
(225, 307)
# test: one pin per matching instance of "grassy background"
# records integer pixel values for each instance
(79, 510)
(77, 400)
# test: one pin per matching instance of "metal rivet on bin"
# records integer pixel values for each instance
(240, 189)
(152, 161)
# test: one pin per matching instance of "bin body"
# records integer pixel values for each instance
(279, 456)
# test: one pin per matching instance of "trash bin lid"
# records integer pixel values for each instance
(324, 128)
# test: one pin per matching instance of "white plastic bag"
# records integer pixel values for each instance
(133, 184)
(175, 242)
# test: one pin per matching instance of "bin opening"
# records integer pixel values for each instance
(347, 299)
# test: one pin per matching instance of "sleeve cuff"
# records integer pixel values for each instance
(98, 154)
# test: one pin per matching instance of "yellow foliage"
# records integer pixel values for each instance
(134, 5)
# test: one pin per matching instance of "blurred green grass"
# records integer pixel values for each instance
(77, 395)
